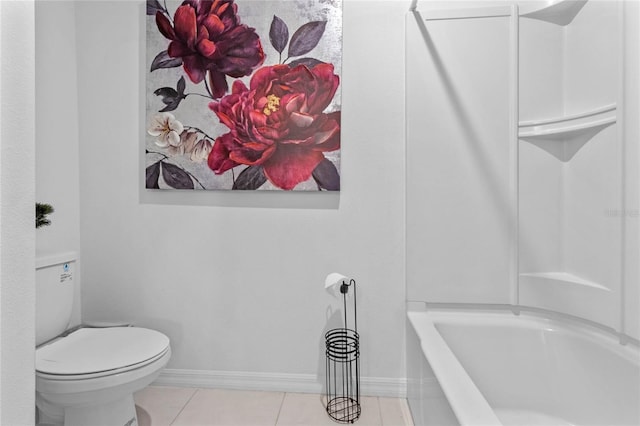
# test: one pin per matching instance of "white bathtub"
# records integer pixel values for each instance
(479, 368)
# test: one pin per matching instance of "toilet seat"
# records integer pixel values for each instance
(96, 352)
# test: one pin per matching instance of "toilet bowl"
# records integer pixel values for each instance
(88, 377)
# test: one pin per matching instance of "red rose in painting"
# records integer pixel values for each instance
(208, 36)
(278, 123)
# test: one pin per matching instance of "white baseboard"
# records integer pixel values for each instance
(384, 386)
(280, 382)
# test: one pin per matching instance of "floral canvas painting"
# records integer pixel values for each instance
(243, 95)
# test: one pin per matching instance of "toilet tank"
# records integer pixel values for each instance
(54, 293)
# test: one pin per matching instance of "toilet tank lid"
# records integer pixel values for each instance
(45, 259)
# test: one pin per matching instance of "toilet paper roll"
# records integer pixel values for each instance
(333, 282)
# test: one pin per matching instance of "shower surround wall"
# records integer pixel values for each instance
(522, 159)
(236, 279)
(460, 181)
(571, 182)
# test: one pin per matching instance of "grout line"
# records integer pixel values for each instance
(184, 406)
(379, 410)
(406, 412)
(284, 395)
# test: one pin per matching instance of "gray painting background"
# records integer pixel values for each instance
(194, 110)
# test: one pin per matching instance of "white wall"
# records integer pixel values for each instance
(57, 162)
(17, 232)
(236, 280)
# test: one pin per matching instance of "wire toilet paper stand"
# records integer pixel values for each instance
(343, 366)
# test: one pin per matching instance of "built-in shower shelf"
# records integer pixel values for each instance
(570, 126)
(563, 278)
(559, 12)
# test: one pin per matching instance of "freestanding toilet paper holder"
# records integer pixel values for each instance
(343, 365)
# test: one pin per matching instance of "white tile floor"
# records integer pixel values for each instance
(175, 406)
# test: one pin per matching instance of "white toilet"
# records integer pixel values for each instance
(87, 376)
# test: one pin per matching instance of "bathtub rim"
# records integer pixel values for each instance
(523, 310)
(467, 402)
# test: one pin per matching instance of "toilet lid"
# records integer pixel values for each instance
(94, 350)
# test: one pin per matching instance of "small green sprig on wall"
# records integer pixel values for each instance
(42, 210)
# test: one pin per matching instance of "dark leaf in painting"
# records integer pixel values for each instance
(278, 34)
(308, 62)
(181, 86)
(170, 96)
(153, 6)
(326, 176)
(153, 173)
(163, 60)
(306, 38)
(250, 178)
(170, 107)
(166, 92)
(175, 177)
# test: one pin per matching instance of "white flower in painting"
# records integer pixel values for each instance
(187, 140)
(201, 151)
(166, 129)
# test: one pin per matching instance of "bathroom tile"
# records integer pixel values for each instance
(395, 412)
(303, 409)
(165, 405)
(160, 405)
(370, 411)
(216, 407)
(300, 409)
